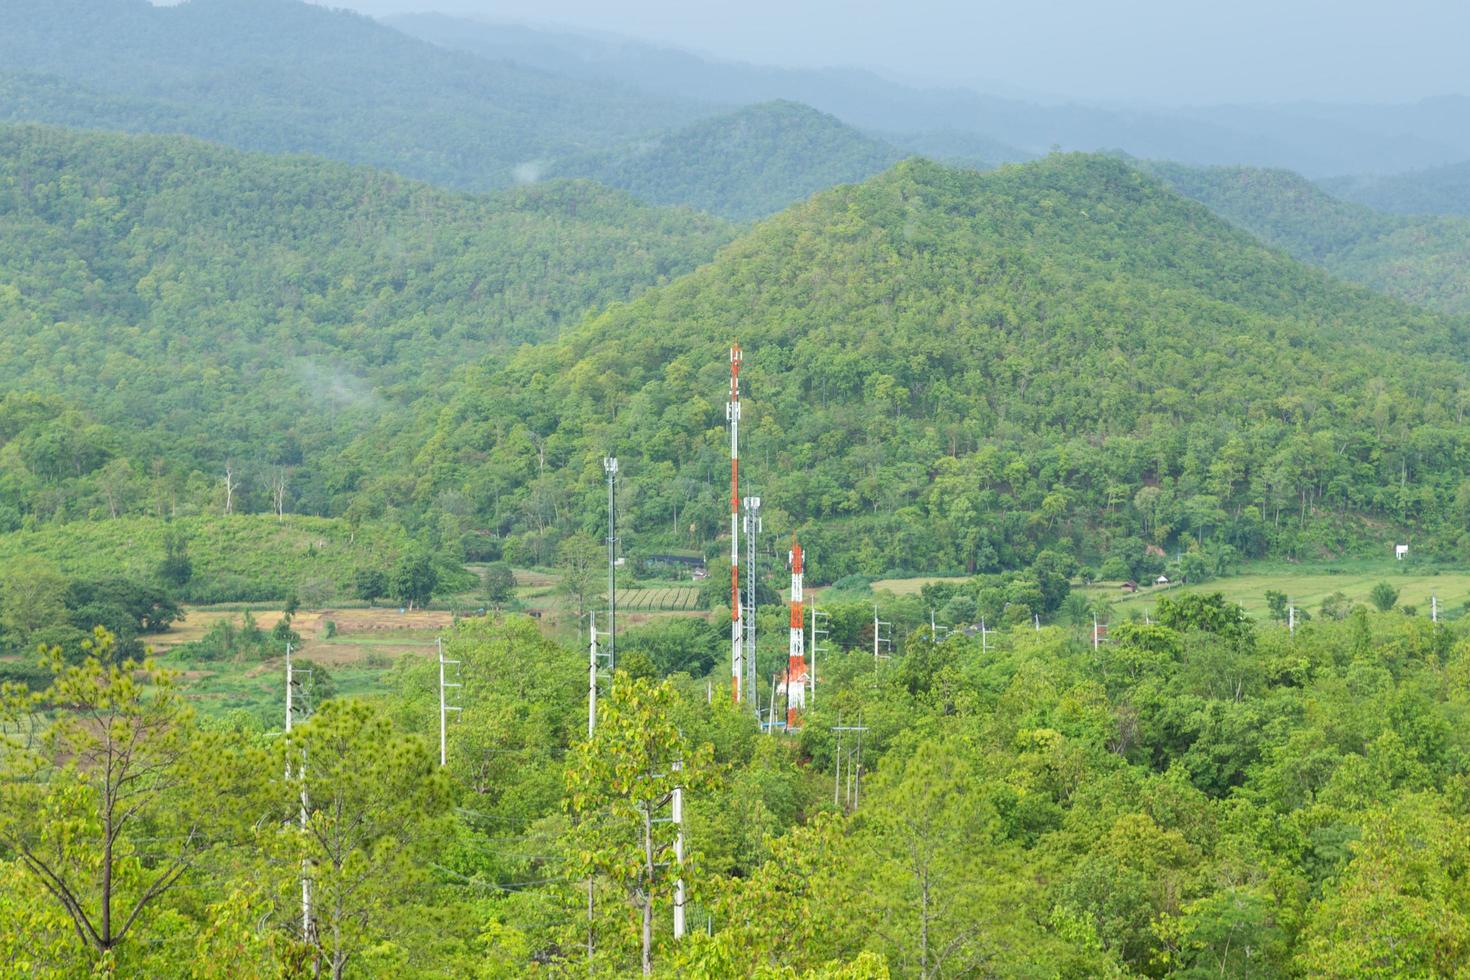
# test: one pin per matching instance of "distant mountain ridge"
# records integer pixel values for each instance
(747, 164)
(289, 77)
(1314, 139)
(1439, 190)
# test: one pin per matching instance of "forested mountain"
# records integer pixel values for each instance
(1423, 259)
(949, 369)
(1314, 139)
(287, 76)
(748, 164)
(168, 306)
(1440, 190)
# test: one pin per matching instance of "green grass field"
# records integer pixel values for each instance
(1306, 585)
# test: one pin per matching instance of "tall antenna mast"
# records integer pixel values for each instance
(732, 413)
(795, 683)
(752, 531)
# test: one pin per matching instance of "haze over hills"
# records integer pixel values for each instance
(193, 304)
(1421, 259)
(747, 164)
(286, 76)
(1440, 190)
(1316, 139)
(950, 369)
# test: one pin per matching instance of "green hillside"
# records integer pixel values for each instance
(240, 557)
(1436, 190)
(168, 306)
(284, 76)
(744, 165)
(954, 370)
(1423, 259)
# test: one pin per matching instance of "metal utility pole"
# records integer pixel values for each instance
(444, 706)
(732, 414)
(985, 636)
(879, 640)
(678, 815)
(818, 631)
(1094, 631)
(292, 708)
(847, 767)
(1291, 619)
(610, 466)
(1434, 609)
(753, 527)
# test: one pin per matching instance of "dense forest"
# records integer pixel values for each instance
(955, 370)
(947, 370)
(1198, 796)
(171, 309)
(748, 164)
(289, 77)
(1422, 259)
(316, 332)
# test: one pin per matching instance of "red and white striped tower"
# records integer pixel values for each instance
(732, 412)
(796, 679)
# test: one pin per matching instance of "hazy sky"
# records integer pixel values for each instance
(1159, 50)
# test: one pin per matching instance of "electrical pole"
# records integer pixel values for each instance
(305, 709)
(847, 766)
(678, 815)
(444, 706)
(818, 631)
(879, 640)
(1291, 619)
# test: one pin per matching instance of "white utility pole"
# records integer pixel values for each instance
(444, 706)
(678, 815)
(305, 802)
(817, 631)
(879, 640)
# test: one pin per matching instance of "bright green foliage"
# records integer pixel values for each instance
(413, 579)
(111, 808)
(243, 557)
(747, 164)
(374, 799)
(620, 783)
(1384, 596)
(1418, 257)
